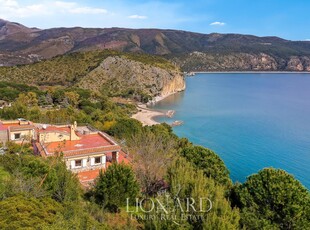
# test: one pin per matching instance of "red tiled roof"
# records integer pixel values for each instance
(21, 127)
(55, 129)
(87, 176)
(87, 144)
(92, 150)
(15, 125)
(122, 157)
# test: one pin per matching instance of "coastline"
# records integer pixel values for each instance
(244, 72)
(146, 115)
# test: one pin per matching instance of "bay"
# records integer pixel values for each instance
(252, 120)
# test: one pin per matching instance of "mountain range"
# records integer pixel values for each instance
(191, 51)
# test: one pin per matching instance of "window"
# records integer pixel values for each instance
(97, 160)
(16, 136)
(78, 163)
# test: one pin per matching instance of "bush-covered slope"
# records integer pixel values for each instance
(140, 73)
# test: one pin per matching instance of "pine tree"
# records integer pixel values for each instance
(272, 198)
(114, 186)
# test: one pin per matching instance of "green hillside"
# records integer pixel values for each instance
(69, 69)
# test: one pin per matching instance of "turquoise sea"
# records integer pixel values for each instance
(251, 120)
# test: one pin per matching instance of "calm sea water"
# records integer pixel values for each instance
(251, 120)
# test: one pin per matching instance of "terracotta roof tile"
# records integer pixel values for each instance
(55, 129)
(93, 150)
(15, 125)
(88, 144)
(87, 176)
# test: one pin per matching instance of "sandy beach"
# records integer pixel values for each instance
(145, 115)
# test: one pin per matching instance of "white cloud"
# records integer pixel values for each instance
(217, 24)
(12, 9)
(135, 16)
(100, 14)
(65, 5)
(88, 10)
(308, 39)
(8, 3)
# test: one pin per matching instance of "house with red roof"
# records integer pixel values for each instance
(18, 131)
(85, 150)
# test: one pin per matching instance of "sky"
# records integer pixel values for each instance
(288, 19)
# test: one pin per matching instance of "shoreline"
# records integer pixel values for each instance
(245, 72)
(146, 115)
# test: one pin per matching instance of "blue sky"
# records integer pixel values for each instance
(284, 18)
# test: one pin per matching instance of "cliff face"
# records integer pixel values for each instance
(170, 86)
(198, 61)
(120, 75)
(136, 76)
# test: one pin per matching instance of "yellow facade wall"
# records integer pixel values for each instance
(48, 137)
(25, 135)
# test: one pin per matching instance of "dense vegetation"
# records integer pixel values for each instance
(9, 91)
(273, 199)
(40, 193)
(114, 186)
(206, 160)
(66, 105)
(69, 69)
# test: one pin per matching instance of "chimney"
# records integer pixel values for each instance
(73, 136)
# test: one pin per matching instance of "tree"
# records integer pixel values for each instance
(29, 99)
(208, 161)
(73, 98)
(4, 177)
(113, 187)
(189, 183)
(27, 213)
(62, 184)
(273, 199)
(75, 215)
(152, 155)
(125, 128)
(35, 176)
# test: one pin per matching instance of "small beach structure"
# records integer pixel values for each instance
(170, 113)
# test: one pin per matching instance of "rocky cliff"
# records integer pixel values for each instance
(199, 61)
(120, 75)
(137, 76)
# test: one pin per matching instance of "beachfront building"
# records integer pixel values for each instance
(85, 150)
(18, 131)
